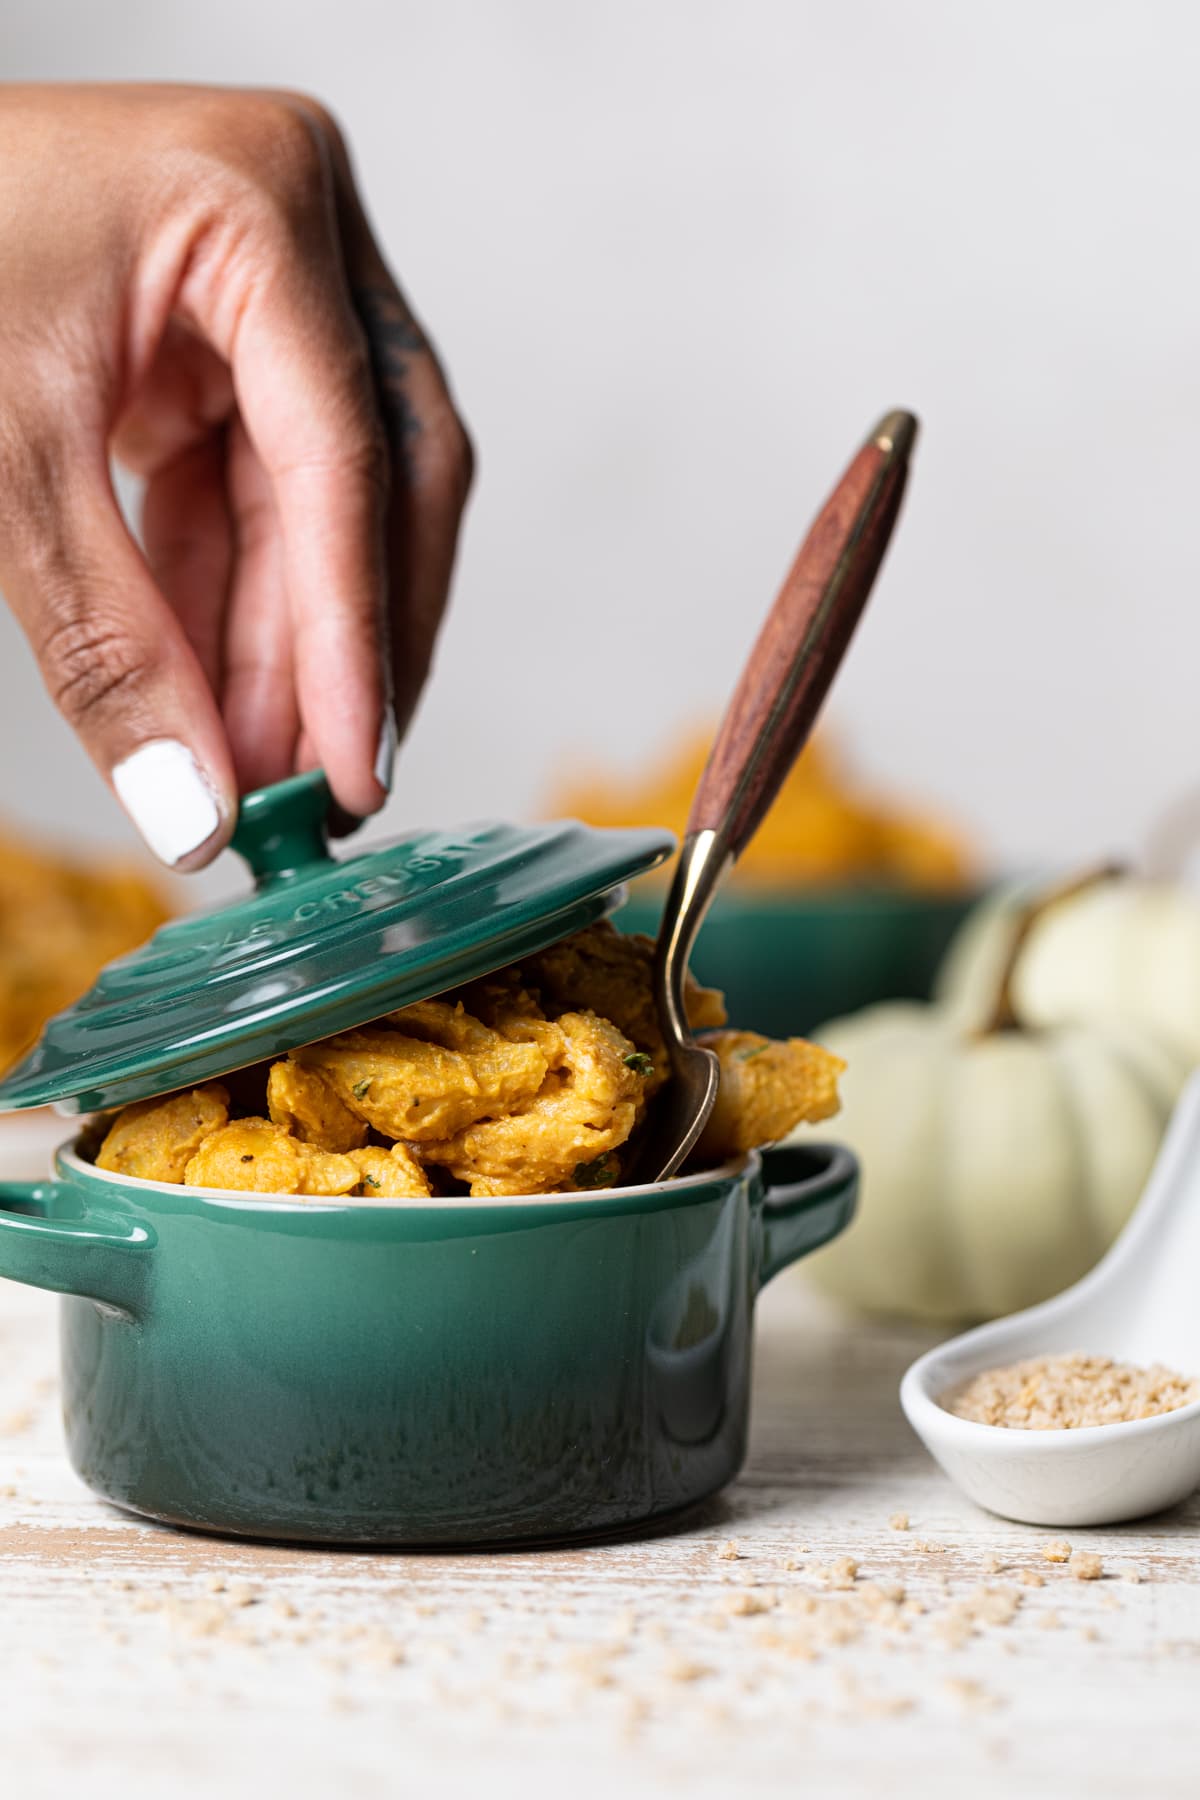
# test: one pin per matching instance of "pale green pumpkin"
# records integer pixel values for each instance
(1119, 948)
(981, 952)
(999, 1160)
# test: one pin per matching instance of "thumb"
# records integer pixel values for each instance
(117, 664)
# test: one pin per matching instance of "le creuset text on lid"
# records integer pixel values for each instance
(322, 945)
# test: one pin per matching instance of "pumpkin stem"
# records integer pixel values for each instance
(1003, 1016)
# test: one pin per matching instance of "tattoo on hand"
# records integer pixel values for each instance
(393, 337)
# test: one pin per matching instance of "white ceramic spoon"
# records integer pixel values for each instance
(1141, 1304)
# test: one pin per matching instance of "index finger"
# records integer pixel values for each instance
(281, 314)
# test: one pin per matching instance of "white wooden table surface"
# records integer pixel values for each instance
(130, 1653)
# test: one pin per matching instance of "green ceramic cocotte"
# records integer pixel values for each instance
(388, 1372)
(411, 1372)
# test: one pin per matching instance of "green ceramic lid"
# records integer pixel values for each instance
(322, 945)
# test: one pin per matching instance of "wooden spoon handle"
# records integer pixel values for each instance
(804, 639)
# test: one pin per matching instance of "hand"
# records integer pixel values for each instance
(191, 286)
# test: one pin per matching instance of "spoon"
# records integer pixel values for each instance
(764, 729)
(1137, 1305)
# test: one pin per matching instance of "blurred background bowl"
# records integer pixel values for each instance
(846, 895)
(787, 961)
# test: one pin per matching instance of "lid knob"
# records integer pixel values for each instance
(281, 829)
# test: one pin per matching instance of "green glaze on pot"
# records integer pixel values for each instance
(413, 1372)
(322, 945)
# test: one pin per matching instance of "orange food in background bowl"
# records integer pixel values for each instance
(843, 898)
(62, 918)
(825, 829)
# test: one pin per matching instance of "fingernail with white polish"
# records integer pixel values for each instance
(385, 755)
(169, 798)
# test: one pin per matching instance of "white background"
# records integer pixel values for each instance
(678, 256)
